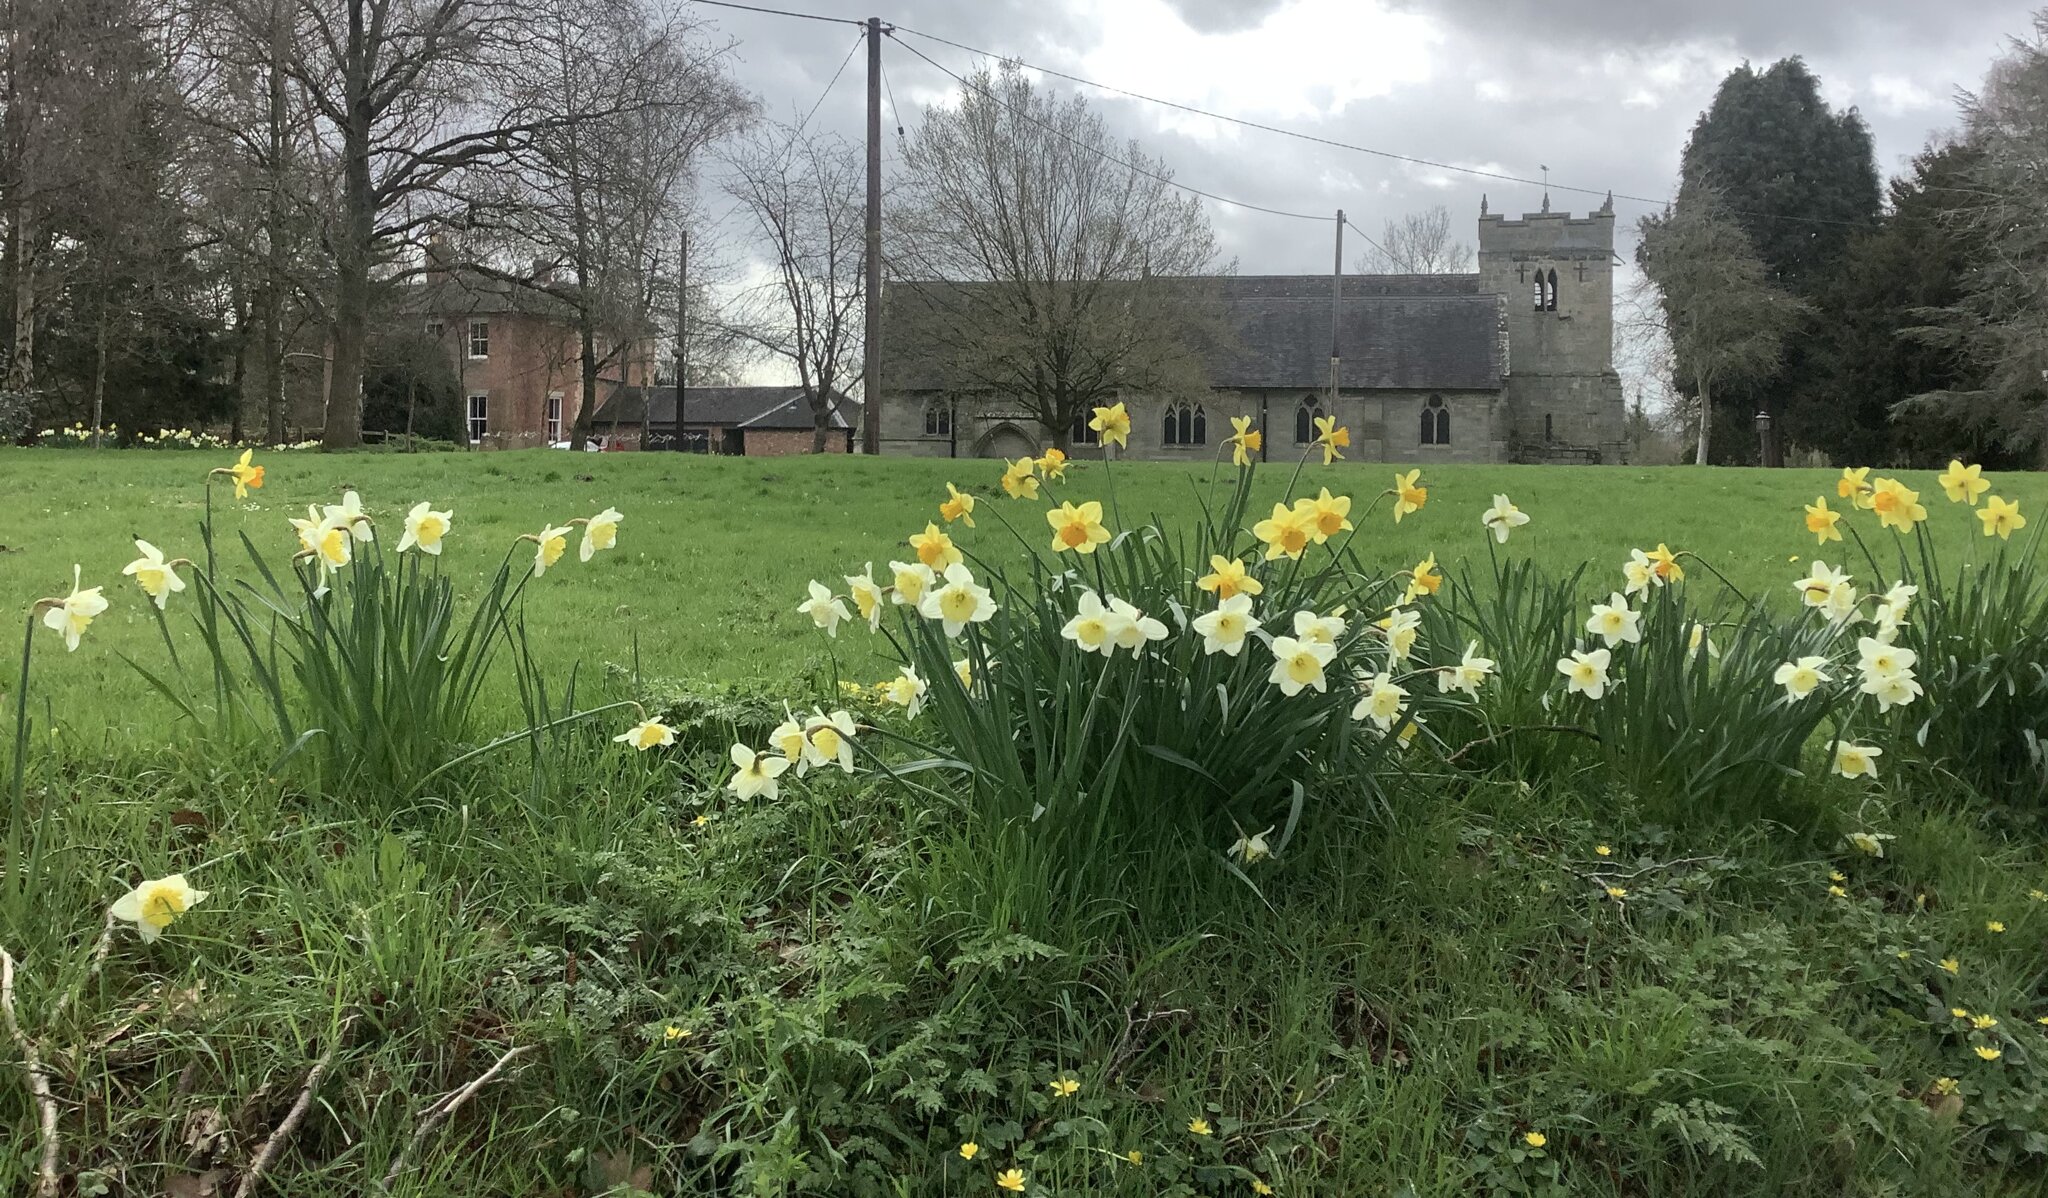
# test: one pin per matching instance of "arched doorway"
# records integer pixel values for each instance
(1005, 441)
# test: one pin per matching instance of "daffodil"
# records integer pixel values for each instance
(906, 690)
(649, 733)
(1821, 583)
(1018, 481)
(2001, 519)
(1113, 423)
(1696, 637)
(1013, 1179)
(1614, 621)
(1252, 848)
(1664, 565)
(1331, 438)
(1468, 675)
(1077, 528)
(963, 669)
(70, 616)
(326, 540)
(1891, 609)
(1879, 659)
(1503, 517)
(1963, 484)
(1287, 533)
(1821, 520)
(1409, 494)
(153, 905)
(157, 578)
(1897, 505)
(908, 582)
(1869, 843)
(828, 740)
(1382, 702)
(247, 475)
(824, 608)
(1227, 577)
(1802, 677)
(1856, 761)
(1326, 630)
(958, 506)
(1094, 626)
(1328, 514)
(755, 774)
(1052, 464)
(1299, 664)
(1063, 1087)
(1244, 440)
(548, 547)
(1854, 486)
(961, 602)
(1586, 672)
(425, 528)
(866, 594)
(1133, 629)
(349, 514)
(969, 1150)
(1401, 627)
(1424, 579)
(1892, 690)
(1200, 1126)
(1637, 574)
(599, 532)
(934, 548)
(1225, 629)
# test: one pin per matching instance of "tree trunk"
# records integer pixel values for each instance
(274, 279)
(355, 246)
(586, 332)
(821, 422)
(21, 361)
(1706, 423)
(239, 381)
(99, 375)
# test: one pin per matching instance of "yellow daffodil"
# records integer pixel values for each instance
(958, 506)
(908, 582)
(1328, 514)
(1077, 528)
(1614, 621)
(1200, 1126)
(157, 578)
(1897, 505)
(824, 608)
(548, 547)
(1018, 481)
(788, 740)
(1950, 965)
(1225, 629)
(1664, 565)
(1401, 626)
(1821, 520)
(1836, 875)
(905, 690)
(1854, 486)
(1287, 534)
(935, 548)
(1801, 678)
(1052, 464)
(1324, 630)
(1227, 577)
(1252, 849)
(425, 528)
(1857, 761)
(959, 603)
(2001, 519)
(1382, 703)
(866, 594)
(599, 532)
(1586, 672)
(1244, 440)
(1013, 1179)
(1113, 423)
(1503, 517)
(755, 774)
(153, 905)
(828, 740)
(1963, 484)
(1063, 1087)
(1299, 664)
(1094, 626)
(1987, 1053)
(969, 1150)
(1535, 1139)
(1331, 438)
(647, 734)
(70, 616)
(1423, 580)
(1468, 675)
(1409, 495)
(247, 476)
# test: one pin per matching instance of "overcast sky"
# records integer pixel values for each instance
(1601, 91)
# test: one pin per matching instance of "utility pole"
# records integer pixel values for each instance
(1336, 311)
(871, 368)
(682, 342)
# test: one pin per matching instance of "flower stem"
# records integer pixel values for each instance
(14, 807)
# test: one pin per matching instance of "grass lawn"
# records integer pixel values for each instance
(566, 968)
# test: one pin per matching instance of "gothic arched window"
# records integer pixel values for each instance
(1201, 436)
(1552, 280)
(1536, 291)
(1081, 433)
(938, 419)
(1305, 418)
(1169, 431)
(1436, 422)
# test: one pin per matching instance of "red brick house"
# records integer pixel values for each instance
(749, 421)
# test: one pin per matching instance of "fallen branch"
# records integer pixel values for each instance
(267, 1155)
(1127, 1046)
(38, 1081)
(1506, 732)
(440, 1109)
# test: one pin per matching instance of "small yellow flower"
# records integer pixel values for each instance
(1945, 1086)
(1260, 1187)
(1983, 1023)
(701, 821)
(647, 734)
(1200, 1126)
(153, 905)
(247, 476)
(2001, 519)
(1018, 481)
(1617, 892)
(958, 506)
(1013, 1179)
(934, 548)
(1838, 892)
(1601, 850)
(1994, 926)
(672, 1033)
(1113, 423)
(1331, 438)
(1077, 528)
(1836, 875)
(1904, 954)
(1409, 494)
(1535, 1139)
(1244, 440)
(1052, 464)
(1963, 484)
(1951, 966)
(1987, 1053)
(1821, 521)
(2039, 896)
(968, 1150)
(1135, 1157)
(1227, 578)
(1287, 534)
(1959, 1012)
(1063, 1087)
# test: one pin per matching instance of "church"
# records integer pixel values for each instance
(1512, 364)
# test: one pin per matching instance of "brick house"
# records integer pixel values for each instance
(742, 421)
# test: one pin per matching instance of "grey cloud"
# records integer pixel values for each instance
(1224, 16)
(1761, 28)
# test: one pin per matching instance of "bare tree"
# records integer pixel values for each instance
(804, 194)
(1725, 319)
(1420, 243)
(1043, 261)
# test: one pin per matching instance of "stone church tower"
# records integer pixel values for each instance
(1555, 274)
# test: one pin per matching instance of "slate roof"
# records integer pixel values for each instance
(726, 407)
(1398, 332)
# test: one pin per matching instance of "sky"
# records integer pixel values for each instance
(1602, 92)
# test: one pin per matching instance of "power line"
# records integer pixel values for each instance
(831, 82)
(779, 12)
(1369, 241)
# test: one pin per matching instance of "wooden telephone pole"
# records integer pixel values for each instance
(682, 344)
(871, 366)
(1336, 312)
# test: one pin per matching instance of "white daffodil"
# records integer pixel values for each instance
(1094, 627)
(1382, 702)
(548, 548)
(157, 577)
(1225, 629)
(1869, 843)
(599, 532)
(1401, 627)
(1891, 609)
(1249, 849)
(1614, 622)
(1801, 678)
(1586, 672)
(425, 527)
(69, 616)
(1133, 629)
(829, 740)
(153, 905)
(1878, 659)
(647, 734)
(1327, 630)
(824, 609)
(1468, 675)
(349, 514)
(1857, 761)
(1299, 664)
(788, 739)
(1503, 517)
(755, 774)
(959, 603)
(1896, 689)
(1639, 572)
(866, 594)
(910, 581)
(325, 538)
(1821, 583)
